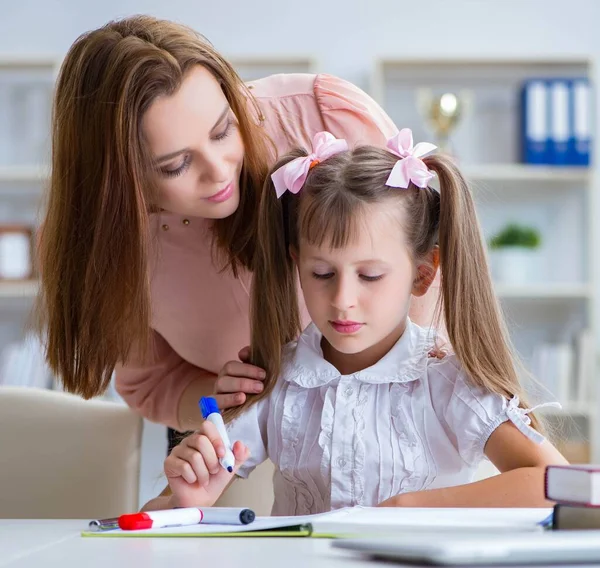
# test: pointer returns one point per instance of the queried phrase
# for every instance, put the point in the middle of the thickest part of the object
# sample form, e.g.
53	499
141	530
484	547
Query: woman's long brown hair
94	241
328	210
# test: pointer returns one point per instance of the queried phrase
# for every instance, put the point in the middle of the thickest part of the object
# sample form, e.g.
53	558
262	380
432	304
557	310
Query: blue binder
534	122
560	121
581	115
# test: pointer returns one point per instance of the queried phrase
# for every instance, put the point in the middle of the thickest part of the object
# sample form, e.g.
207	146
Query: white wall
345	35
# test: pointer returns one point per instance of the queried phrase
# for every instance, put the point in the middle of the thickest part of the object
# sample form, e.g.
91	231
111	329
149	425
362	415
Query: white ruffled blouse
409	422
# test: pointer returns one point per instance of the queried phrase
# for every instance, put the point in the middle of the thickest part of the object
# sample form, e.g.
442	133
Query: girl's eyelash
180	170
362	276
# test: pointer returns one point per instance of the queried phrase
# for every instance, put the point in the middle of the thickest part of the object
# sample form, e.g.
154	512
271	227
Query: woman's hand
230	387
195	476
237	379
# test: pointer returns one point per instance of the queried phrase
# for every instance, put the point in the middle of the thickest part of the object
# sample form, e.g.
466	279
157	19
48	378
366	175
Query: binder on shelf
580	141
560	122
552	365
535	122
585	349
556	117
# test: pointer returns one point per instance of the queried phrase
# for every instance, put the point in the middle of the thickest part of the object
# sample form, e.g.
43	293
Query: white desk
58	544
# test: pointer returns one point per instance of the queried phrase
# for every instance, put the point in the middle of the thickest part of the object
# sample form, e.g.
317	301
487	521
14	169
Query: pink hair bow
292	176
409	167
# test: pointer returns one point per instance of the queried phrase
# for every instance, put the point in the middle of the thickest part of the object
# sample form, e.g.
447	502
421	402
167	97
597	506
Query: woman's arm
165	388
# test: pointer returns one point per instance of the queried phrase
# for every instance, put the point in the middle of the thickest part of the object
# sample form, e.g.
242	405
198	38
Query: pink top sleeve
348	112
154	386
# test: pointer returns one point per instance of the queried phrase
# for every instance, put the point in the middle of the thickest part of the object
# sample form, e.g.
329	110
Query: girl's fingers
177	467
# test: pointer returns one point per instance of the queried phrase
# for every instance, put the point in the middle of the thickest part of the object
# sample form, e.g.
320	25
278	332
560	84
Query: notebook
573	484
572	517
359	521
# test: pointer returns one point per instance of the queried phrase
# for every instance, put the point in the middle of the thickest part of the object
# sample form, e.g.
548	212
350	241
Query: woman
159	154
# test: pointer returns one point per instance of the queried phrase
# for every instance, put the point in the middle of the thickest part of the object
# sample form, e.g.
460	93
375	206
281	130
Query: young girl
355	412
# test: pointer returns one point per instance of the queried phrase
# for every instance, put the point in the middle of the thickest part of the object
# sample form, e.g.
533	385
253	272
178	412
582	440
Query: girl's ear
426	272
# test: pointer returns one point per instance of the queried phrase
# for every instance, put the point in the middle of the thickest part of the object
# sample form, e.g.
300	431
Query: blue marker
210	412
548	522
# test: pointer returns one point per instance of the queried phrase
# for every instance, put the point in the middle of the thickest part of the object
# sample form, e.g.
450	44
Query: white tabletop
58	544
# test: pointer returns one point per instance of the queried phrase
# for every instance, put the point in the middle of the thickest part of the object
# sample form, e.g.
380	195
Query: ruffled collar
404	362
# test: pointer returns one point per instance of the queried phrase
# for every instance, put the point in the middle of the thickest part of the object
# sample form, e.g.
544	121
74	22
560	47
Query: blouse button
349	391
186	221
165	227
341	462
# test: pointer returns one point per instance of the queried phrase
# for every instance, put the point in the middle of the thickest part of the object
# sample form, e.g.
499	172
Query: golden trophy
443	112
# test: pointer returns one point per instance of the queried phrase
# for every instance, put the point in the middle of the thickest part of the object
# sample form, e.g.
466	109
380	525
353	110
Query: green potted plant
514	253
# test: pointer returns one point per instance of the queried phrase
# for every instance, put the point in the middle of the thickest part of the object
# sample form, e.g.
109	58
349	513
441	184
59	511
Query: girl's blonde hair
94	244
327	211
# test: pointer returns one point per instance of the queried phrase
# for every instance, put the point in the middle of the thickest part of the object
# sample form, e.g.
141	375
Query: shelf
544	291
260	61
28	62
526	172
18	289
570	409
23	173
482	71
491	61
253	68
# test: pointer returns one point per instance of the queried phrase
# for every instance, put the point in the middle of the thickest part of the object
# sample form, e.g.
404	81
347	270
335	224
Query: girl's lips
346	327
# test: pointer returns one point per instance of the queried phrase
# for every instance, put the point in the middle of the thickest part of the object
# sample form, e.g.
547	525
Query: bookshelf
26	86
558	301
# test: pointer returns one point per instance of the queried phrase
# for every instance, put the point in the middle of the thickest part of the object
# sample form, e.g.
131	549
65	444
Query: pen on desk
548	522
210	412
227	516
104	524
186	516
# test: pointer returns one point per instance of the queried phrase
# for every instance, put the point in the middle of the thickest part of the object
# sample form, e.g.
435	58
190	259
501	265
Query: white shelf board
266	60
570	409
18	289
485	61
526	172
8	61
23	173
544	291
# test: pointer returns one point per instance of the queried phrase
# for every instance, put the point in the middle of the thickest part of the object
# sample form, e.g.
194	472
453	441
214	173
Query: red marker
161	519
184	517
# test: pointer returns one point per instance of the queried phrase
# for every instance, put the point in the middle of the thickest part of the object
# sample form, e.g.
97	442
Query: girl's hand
195	476
236	379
